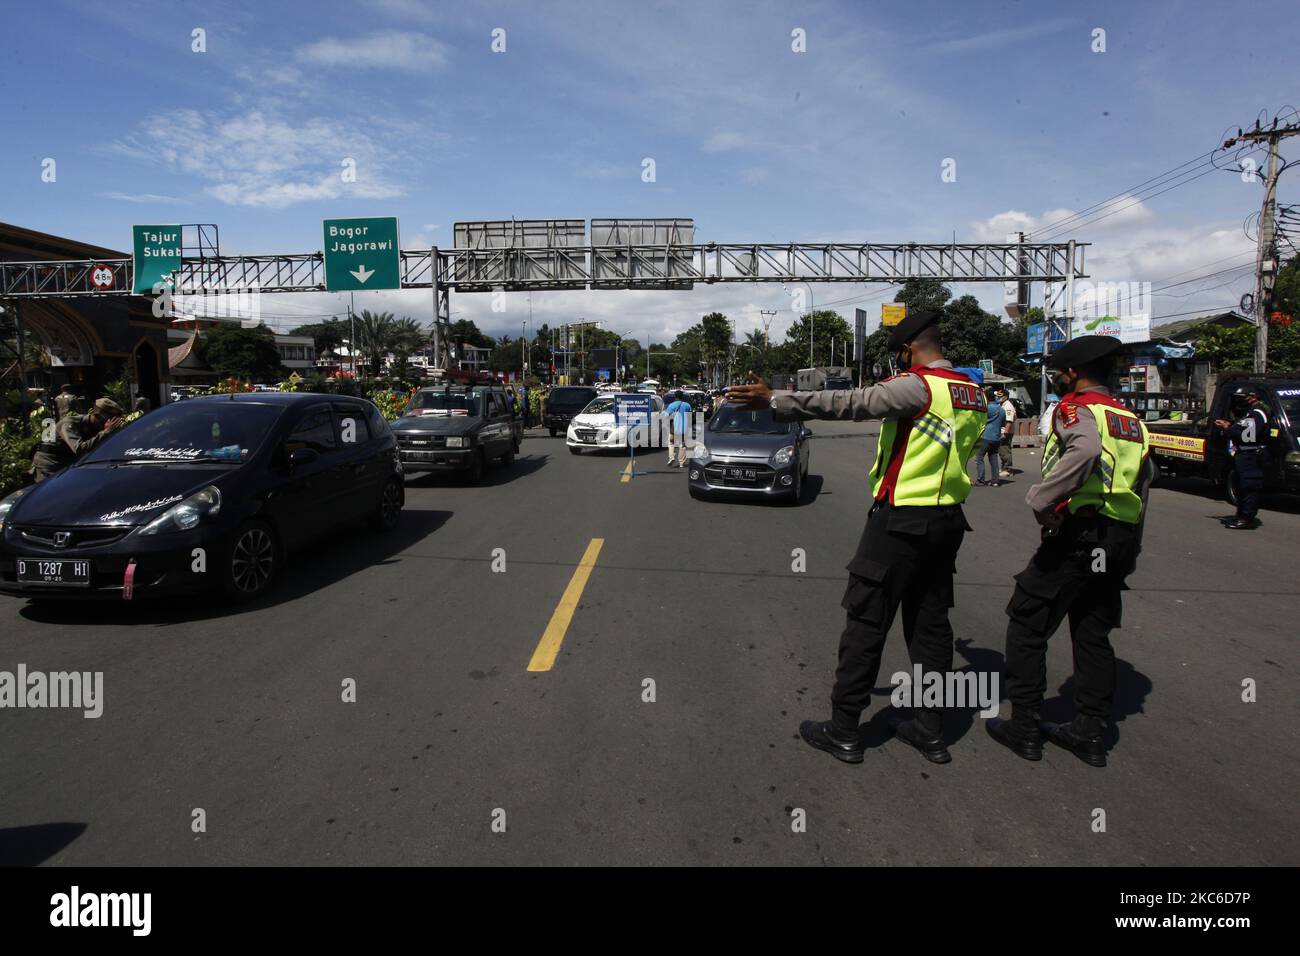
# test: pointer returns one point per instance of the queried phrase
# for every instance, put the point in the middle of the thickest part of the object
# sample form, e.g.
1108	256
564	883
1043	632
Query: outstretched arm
900	397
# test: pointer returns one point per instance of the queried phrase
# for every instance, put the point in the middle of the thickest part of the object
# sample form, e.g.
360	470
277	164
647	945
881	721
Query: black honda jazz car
210	493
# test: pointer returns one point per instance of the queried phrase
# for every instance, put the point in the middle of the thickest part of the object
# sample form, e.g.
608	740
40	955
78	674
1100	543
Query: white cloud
722	141
1125	211
261	160
139	197
999	38
388	50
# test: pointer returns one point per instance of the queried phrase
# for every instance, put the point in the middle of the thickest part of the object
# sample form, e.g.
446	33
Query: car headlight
8	502
187	514
701	454
456	441
782	456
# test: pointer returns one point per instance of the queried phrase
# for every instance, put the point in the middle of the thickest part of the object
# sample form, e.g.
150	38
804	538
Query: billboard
614	267
892	313
605	358
859	333
1129	329
495	253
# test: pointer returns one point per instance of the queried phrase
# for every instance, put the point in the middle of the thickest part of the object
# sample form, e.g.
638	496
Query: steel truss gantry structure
578	267
575	268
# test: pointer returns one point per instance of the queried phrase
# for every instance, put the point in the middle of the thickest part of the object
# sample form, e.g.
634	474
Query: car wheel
552	432
575	450
251	561
474	474
390	506
1230	489
508	458
696	493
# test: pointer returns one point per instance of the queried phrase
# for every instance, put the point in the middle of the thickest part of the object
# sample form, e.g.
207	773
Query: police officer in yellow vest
931	418
1091	504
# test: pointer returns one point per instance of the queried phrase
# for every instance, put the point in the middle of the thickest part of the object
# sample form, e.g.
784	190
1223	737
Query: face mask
1062	383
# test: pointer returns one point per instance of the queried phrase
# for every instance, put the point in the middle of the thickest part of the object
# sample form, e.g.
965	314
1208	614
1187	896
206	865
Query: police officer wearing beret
931	418
1091	504
74	436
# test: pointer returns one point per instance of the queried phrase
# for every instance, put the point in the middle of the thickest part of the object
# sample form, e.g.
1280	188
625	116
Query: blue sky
754	141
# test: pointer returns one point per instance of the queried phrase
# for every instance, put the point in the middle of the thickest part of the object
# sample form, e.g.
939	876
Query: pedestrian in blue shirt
987	446
679	419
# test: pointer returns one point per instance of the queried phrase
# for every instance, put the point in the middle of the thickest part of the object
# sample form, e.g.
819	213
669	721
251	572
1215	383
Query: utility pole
352	322
1265	251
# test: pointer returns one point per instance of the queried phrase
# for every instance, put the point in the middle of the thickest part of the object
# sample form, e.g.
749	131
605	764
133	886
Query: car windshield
733	419
444	404
202	430
571	396
1288	400
601	406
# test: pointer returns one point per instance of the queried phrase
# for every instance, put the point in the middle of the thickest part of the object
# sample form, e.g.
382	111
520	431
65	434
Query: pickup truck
1199	448
458	428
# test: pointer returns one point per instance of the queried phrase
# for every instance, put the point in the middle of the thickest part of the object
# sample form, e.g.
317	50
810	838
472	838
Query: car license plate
742	474
420	455
64	571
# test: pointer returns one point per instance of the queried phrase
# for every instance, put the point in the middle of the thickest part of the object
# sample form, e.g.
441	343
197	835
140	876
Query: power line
1120	195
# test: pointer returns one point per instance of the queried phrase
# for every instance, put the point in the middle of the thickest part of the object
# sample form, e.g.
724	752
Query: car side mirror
302	456
805	433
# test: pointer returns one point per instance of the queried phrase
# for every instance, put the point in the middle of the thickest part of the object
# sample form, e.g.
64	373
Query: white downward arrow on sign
363	273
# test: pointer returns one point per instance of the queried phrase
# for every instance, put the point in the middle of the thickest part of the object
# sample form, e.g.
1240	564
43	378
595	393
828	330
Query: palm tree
406	336
374	337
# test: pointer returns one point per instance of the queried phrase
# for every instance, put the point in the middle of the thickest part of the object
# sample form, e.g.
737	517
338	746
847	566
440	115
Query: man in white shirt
1008	430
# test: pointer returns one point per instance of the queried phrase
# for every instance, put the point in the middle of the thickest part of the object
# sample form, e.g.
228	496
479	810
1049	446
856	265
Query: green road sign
157	254
361	254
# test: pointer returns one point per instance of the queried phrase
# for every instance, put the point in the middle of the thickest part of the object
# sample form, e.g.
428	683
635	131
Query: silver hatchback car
749	452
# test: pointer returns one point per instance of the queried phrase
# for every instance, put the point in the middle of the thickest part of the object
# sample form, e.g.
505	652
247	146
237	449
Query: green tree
250	354
406	337
327	335
1286	291
1233	349
918	294
824	326
374	338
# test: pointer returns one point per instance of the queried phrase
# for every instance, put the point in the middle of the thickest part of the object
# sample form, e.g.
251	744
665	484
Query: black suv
458	428
564	402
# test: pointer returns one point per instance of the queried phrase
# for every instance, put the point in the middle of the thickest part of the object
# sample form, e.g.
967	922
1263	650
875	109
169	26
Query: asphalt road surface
239	713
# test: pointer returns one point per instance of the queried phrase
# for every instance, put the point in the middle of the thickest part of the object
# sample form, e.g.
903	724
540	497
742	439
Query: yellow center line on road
548	648
627	473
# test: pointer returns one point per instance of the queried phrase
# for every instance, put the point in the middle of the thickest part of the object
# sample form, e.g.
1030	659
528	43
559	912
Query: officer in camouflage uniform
931	418
74	435
1091	504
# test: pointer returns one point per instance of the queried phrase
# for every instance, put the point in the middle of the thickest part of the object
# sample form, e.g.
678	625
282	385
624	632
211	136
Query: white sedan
594	426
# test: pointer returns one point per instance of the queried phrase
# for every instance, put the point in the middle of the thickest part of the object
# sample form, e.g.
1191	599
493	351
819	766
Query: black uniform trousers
906	557
1249	465
1077	572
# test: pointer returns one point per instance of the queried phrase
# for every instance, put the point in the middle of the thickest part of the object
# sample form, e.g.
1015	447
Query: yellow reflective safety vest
922	460
1112	487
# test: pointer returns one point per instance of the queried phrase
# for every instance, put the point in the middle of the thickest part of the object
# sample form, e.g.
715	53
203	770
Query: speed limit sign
101	276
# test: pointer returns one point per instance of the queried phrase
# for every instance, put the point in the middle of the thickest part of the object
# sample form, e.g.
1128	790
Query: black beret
912	326
1084	350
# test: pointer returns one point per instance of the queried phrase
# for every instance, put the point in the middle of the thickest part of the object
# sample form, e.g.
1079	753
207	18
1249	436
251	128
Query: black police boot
1020	734
1242	524
823	735
1081	736
923	733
